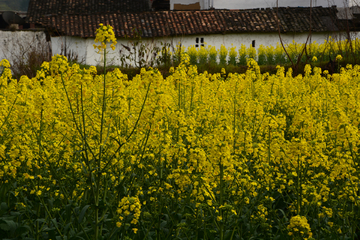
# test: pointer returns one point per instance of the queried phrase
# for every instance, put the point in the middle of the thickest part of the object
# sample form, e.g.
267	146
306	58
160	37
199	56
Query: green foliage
232	55
193	54
223	52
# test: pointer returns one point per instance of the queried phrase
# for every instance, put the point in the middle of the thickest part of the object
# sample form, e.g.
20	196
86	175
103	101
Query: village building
70	26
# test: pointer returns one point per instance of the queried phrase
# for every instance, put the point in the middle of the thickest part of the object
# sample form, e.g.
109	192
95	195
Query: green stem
133	130
234	124
269	155
73	115
179	94
103	110
298	187
84	128
221	197
98	175
48	212
37	224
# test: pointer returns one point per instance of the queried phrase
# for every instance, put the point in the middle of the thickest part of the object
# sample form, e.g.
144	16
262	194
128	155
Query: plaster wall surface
266	39
94	57
244	4
204	4
126	55
14	44
72	47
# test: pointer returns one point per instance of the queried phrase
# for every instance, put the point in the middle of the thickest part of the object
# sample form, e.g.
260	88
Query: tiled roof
42	8
170	23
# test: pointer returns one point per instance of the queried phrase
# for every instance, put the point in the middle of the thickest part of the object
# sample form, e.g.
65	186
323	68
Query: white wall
204	4
266	39
244	4
86	52
72	47
15	44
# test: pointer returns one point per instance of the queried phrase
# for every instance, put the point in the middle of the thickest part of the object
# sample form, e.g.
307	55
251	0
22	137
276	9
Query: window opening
253	43
201	43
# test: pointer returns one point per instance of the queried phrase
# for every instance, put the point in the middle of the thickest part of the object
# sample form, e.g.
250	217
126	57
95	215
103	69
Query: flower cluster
129	206
223	52
104	35
299	228
271	55
58	64
193	54
338	58
6	73
5	63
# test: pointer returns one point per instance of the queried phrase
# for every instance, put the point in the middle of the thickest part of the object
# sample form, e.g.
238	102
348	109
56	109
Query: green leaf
21	230
82	213
14	214
163	224
3	191
8	225
12	225
51	203
40	220
4	226
51	232
3	206
66	228
76	238
54	222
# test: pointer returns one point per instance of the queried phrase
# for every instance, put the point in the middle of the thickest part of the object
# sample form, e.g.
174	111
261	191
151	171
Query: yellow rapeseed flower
104	35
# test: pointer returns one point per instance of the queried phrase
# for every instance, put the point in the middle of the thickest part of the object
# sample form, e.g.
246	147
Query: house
18	38
72	25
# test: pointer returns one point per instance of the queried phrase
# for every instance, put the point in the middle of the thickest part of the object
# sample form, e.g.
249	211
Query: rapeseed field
190	156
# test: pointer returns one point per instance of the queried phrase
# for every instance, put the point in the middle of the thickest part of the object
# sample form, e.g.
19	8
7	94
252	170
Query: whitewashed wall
72	47
245	4
88	55
15	44
266	39
204	4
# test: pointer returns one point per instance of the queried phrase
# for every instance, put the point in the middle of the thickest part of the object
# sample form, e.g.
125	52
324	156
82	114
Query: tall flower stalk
104	35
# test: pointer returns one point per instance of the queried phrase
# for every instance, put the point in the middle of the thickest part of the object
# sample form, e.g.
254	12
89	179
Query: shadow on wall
25	50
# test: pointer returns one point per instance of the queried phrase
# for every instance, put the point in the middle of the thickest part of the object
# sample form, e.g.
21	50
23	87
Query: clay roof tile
167	23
